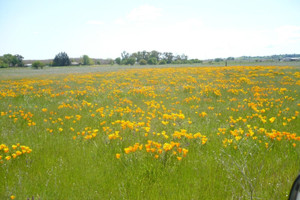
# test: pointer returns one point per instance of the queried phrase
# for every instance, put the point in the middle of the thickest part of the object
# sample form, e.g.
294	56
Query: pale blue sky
39	29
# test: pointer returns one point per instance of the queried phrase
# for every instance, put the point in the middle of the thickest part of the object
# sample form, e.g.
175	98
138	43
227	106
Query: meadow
149	133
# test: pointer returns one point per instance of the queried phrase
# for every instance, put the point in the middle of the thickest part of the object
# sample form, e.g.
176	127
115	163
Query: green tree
118	60
155	54
111	61
19	60
61	59
125	55
162	62
131	61
87	60
168	56
9	60
152	61
143	62
2	63
12	60
218	59
37	64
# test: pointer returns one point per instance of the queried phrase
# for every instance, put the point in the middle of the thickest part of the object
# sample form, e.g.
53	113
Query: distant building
75	63
28	65
295	59
291	59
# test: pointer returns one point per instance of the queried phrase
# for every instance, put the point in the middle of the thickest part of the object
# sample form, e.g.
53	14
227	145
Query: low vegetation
151	133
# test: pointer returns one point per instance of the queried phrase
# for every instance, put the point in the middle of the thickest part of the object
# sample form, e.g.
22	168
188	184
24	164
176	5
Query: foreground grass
151	133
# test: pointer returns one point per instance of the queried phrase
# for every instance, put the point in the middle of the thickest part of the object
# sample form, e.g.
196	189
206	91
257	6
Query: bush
86	60
61	59
152	61
111	61
130	61
218	59
3	64
37	65
162	62
118	60
176	62
143	62
9	60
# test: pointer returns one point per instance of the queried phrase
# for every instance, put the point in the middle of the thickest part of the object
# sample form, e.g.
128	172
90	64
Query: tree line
153	58
9	60
141	57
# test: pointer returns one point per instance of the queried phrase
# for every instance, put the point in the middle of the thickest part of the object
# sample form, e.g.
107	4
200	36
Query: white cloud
95	22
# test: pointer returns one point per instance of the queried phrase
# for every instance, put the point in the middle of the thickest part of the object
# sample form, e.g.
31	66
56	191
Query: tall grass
239	126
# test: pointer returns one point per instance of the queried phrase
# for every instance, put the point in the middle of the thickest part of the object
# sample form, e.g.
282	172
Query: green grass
60	167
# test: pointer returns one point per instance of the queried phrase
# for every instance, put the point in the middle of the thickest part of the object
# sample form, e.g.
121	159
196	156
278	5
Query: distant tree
9	60
124	61
2	63
230	58
131	61
19	60
98	62
168	56
196	61
177	58
12	60
218	59
142	62
125	55
162	62
145	55
111	61
61	59
38	64
118	60
87	60
136	56
184	57
139	56
152	61
154	57
154	54
176	62
92	62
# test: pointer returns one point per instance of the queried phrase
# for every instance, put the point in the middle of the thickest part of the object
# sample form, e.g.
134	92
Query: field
149	133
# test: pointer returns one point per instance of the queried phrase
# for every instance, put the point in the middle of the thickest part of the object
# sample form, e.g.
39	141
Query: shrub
152	61
111	61
61	59
162	62
130	61
86	60
143	62
3	64
37	65
118	60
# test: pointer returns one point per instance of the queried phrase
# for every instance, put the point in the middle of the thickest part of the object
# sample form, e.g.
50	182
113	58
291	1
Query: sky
203	29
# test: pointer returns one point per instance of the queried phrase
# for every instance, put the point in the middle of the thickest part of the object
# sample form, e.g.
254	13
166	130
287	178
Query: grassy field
149	133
